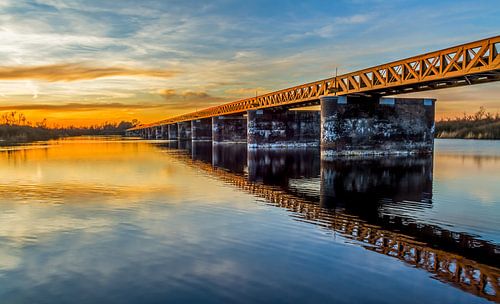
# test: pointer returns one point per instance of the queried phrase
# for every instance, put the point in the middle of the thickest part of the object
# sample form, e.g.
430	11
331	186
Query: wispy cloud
74	72
246	92
189	99
127	52
78	106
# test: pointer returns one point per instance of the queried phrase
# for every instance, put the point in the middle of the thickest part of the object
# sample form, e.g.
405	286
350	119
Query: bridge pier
149	133
201	129
172	132
373	126
184	130
229	128
164	131
268	128
157	134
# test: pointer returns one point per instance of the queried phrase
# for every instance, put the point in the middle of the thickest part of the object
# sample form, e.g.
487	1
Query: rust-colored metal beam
466	64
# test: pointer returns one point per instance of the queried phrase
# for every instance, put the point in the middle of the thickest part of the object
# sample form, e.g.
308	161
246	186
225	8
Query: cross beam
466	64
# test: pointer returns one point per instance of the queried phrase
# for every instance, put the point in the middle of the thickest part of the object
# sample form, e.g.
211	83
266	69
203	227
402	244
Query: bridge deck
466	64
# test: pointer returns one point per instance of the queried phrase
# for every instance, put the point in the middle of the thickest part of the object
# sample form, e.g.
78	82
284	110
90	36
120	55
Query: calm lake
117	220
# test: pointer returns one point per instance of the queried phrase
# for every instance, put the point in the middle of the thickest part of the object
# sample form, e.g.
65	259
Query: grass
480	125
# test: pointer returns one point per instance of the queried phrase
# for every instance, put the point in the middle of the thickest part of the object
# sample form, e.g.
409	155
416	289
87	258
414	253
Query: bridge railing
465	64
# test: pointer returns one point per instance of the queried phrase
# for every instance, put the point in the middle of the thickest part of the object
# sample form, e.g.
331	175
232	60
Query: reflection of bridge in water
350	201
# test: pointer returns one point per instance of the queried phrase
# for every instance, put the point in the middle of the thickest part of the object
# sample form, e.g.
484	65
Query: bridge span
357	115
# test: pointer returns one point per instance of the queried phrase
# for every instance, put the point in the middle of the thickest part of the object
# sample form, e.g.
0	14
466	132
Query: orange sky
151	60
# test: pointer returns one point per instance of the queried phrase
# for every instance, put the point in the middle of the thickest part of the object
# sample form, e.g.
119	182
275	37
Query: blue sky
84	61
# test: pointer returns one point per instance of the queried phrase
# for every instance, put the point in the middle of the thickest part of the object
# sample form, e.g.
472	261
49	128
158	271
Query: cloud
75	72
189	99
78	106
336	26
246	92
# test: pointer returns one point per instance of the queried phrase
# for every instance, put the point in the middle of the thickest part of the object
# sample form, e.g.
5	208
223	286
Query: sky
83	62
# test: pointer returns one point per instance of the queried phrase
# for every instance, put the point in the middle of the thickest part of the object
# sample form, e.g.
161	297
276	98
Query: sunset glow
88	62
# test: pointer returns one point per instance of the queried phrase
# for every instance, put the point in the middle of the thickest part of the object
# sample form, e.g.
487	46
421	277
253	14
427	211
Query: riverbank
14	134
11	134
469	129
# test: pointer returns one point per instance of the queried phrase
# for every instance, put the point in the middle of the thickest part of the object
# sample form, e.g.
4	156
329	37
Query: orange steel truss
466	64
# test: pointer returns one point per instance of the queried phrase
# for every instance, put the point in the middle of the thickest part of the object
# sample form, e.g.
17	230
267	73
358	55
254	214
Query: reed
480	125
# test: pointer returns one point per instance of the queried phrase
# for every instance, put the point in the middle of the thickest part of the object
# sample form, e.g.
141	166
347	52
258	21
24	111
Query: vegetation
480	125
14	127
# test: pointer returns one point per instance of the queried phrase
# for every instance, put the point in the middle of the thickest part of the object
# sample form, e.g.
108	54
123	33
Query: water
111	220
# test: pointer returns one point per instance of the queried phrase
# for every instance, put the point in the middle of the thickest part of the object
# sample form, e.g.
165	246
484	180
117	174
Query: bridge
454	258
358	114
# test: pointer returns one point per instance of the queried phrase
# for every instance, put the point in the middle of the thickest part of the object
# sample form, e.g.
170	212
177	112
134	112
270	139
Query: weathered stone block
283	129
173	132
201	129
230	129
372	126
184	130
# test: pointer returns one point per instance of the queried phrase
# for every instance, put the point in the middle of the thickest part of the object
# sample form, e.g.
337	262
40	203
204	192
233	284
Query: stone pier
270	128
164	131
229	129
373	126
184	130
201	129
172	132
157	134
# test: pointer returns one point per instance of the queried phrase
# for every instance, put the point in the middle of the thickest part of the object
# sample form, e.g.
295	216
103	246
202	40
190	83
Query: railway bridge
359	114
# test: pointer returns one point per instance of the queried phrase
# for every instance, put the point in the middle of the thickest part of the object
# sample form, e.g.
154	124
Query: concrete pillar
164	131
149	133
157	132
172	131
283	129
201	129
372	126
184	130
230	129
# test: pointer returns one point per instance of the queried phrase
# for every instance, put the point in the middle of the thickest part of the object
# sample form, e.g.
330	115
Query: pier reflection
351	197
232	157
275	167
